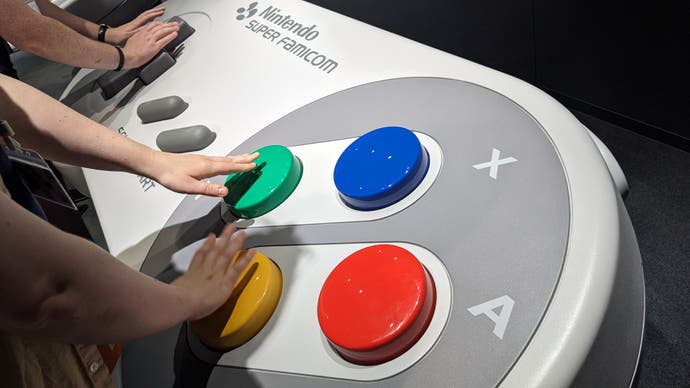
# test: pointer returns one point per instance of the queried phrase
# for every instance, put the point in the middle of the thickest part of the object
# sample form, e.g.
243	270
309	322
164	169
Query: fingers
167	39
147	42
245	158
213	274
212	189
157	27
226	165
236	268
222	191
235	243
236	159
200	255
147	16
154	29
149	27
228	231
229	243
205	188
244	162
219	166
163	31
188	178
185	184
152	13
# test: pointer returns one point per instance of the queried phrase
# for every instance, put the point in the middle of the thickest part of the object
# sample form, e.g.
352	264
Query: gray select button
161	109
185	139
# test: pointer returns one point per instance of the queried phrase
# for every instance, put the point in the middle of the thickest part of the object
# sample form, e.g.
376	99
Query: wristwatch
102	28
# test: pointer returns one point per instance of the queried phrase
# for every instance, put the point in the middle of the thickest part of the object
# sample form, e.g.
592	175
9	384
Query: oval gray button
161	109
187	139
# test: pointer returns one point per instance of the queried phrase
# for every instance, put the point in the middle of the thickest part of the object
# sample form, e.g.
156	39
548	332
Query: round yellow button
250	306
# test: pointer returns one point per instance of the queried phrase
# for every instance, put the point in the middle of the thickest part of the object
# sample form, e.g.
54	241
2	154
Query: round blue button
380	168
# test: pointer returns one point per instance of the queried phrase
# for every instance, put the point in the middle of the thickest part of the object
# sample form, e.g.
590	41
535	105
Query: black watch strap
121	59
102	28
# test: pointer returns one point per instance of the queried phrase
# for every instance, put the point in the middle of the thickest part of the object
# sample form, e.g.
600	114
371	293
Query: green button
254	193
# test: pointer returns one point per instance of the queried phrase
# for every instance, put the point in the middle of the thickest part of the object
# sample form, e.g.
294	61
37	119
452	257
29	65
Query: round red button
376	304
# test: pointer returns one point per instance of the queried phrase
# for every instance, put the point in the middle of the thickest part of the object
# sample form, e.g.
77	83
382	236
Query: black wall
625	62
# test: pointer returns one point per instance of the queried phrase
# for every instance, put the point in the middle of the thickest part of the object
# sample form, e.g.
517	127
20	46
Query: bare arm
60	287
61	134
114	35
49	38
82	26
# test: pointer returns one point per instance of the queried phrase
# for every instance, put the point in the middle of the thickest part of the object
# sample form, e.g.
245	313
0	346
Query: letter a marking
501	319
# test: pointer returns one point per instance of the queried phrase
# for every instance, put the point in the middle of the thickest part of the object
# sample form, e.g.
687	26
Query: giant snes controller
472	202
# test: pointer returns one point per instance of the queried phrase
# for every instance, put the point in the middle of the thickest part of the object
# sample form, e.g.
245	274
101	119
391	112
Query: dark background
625	62
623	68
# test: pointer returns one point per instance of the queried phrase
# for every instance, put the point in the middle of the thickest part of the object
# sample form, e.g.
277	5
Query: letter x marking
494	163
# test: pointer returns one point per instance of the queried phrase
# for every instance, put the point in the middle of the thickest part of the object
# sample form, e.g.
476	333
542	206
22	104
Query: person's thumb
194	186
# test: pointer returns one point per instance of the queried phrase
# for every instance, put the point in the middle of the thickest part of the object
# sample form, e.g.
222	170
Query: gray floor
658	203
659	207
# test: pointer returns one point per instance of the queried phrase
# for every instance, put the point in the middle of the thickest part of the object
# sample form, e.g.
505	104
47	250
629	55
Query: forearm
49	38
82	26
61	134
68	289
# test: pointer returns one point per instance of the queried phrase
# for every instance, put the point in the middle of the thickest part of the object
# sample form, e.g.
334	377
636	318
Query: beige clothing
39	364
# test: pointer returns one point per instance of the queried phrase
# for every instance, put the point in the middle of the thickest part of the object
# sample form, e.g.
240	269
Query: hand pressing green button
254	193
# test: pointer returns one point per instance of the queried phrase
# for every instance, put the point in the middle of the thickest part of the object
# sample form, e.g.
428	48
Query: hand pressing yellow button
250	306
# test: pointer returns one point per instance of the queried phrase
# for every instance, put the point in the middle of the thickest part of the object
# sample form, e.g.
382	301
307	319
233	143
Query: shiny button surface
376	304
380	168
254	193
253	300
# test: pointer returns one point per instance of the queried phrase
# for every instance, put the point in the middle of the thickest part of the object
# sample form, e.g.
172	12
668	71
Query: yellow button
250	306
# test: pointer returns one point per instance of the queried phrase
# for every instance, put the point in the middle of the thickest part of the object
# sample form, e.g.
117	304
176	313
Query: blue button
380	168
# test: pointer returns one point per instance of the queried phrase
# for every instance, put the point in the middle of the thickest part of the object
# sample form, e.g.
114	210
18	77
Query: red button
376	304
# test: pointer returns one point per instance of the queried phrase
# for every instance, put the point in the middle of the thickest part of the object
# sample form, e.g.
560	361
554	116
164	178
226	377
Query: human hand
182	172
147	42
118	35
212	274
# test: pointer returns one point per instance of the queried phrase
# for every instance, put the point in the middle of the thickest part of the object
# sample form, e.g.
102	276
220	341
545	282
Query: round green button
254	193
